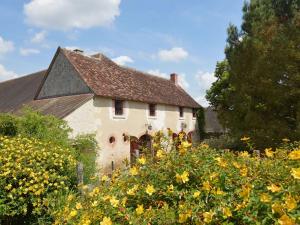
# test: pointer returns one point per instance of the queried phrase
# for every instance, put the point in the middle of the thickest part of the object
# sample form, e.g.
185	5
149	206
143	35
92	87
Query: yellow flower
150	189
73	213
244	154
183	217
265	198
236	165
206	186
245	138
208	217
142	160
285	140
277	208
227	213
244	171
134	171
269	153
170	188
219	192
114	202
104	178
294	155
221	162
160	154
246	189
296	173
70	198
290	203
78	205
132	190
286	220
106	221
274	188
183	178
140	209
196	194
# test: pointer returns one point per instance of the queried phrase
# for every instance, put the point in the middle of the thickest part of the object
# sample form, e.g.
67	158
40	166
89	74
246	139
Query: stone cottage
95	95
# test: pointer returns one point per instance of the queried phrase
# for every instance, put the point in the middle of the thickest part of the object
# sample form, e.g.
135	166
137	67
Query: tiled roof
17	92
108	79
60	106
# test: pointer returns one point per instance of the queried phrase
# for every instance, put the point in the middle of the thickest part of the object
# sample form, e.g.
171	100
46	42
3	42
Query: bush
33	124
86	152
30	170
223	141
196	185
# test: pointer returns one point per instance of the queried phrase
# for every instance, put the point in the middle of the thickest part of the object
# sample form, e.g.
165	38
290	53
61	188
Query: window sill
119	117
181	118
194	118
152	117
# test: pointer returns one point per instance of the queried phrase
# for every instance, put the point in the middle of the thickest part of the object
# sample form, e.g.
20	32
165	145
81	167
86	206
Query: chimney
174	78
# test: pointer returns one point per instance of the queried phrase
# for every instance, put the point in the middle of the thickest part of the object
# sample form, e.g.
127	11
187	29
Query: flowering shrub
193	185
30	170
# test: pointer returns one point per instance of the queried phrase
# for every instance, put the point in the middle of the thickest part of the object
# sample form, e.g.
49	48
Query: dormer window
152	110
181	112
119	107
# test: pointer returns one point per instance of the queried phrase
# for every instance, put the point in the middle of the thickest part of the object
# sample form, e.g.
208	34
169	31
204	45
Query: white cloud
158	73
202	100
205	80
39	37
175	54
182	81
29	51
68	14
123	60
6	74
6	46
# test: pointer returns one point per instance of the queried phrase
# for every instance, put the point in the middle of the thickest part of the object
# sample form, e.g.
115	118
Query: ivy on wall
201	122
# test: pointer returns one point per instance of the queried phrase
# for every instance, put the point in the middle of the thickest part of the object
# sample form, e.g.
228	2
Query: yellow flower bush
30	170
194	185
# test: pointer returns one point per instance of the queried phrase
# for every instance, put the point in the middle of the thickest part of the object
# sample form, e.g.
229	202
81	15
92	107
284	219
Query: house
212	124
95	95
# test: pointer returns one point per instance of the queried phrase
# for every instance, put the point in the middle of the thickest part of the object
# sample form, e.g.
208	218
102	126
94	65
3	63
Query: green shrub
33	124
8	125
30	170
86	149
196	185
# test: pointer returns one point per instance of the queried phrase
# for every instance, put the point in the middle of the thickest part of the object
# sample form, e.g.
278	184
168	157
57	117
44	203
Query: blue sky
157	36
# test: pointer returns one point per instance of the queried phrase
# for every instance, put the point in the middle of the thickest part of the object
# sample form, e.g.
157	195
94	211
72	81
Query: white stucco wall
97	116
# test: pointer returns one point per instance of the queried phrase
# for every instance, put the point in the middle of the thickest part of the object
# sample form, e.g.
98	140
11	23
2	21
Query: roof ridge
26	75
123	67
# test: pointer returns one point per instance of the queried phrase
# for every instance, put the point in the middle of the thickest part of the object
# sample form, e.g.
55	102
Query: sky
158	36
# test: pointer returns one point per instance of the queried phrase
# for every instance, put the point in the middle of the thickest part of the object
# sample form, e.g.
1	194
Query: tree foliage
257	90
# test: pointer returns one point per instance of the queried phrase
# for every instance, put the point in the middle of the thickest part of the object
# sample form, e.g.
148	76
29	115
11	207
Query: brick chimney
174	78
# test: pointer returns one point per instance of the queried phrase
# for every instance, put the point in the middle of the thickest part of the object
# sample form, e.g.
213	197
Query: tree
257	90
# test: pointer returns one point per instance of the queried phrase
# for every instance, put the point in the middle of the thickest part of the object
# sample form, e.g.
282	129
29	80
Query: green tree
257	90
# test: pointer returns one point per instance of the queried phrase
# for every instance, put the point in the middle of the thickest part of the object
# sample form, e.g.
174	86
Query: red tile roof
106	78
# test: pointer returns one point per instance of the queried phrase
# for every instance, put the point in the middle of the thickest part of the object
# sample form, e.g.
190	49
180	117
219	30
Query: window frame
150	105
194	112
181	112
119	109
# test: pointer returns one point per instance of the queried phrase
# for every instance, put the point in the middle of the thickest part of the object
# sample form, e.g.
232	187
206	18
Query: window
119	107
180	112
194	113
152	110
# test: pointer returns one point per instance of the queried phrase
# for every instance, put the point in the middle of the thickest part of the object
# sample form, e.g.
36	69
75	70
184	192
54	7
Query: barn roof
103	76
106	78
